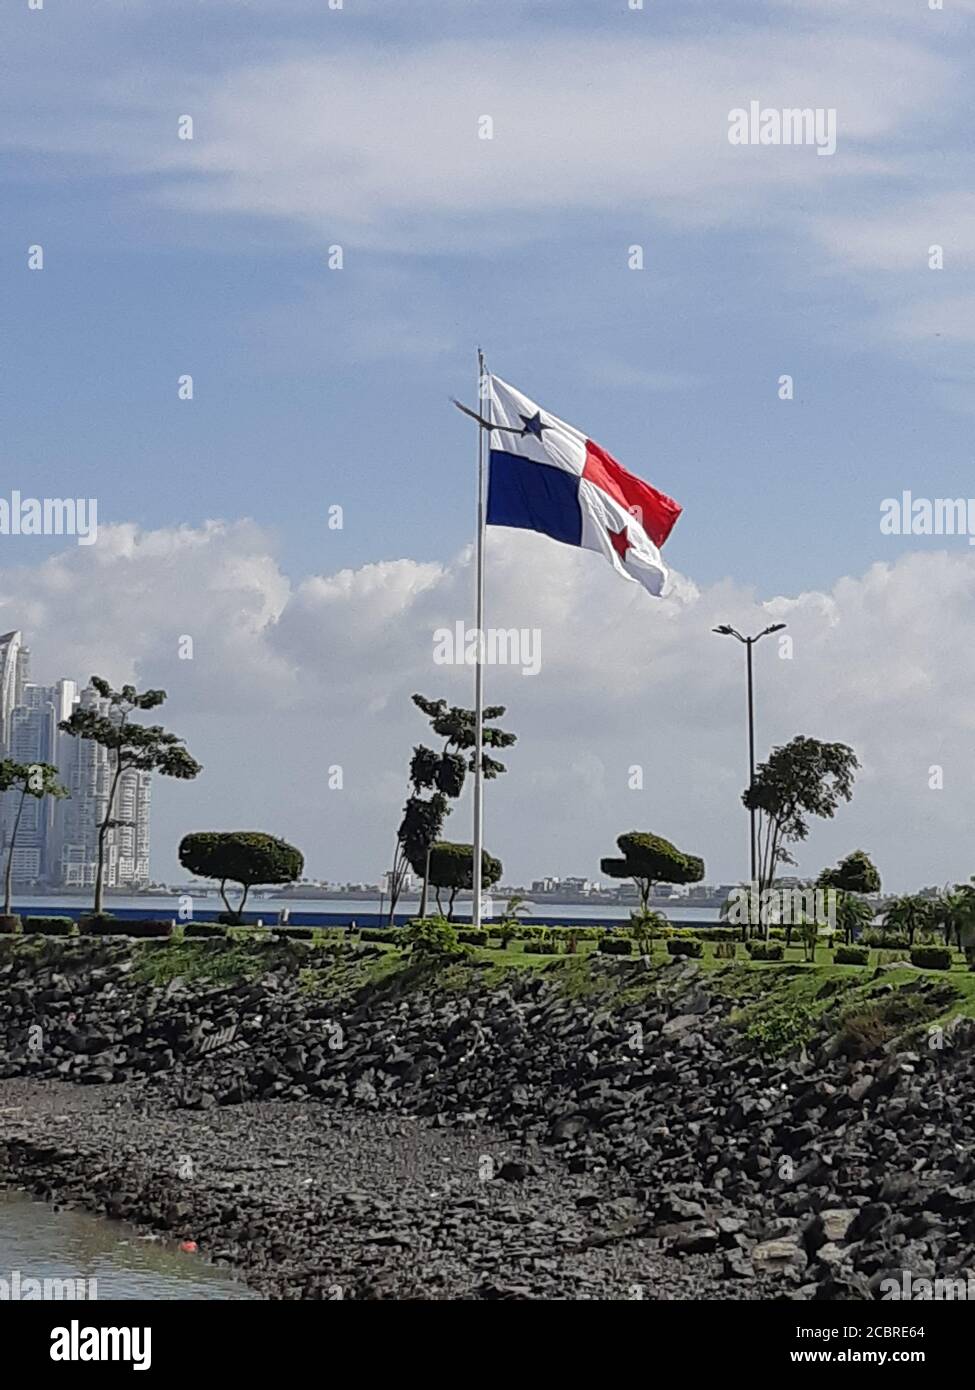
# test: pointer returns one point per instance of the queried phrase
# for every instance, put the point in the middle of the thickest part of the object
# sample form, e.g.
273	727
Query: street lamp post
725	631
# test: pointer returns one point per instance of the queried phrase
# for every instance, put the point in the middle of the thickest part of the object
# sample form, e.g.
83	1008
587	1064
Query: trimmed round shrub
48	926
540	948
615	945
765	950
931	957
850	955
9	924
687	947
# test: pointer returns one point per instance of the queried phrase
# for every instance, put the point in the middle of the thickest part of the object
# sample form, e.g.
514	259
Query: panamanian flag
547	476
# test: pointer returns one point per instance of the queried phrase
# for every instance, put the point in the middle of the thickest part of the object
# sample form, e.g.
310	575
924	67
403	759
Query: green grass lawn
776	1004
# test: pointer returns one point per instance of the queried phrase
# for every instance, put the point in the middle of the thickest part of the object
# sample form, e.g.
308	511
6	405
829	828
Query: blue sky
315	387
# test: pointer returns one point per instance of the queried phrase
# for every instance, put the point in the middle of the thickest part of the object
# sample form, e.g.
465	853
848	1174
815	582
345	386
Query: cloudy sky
315	388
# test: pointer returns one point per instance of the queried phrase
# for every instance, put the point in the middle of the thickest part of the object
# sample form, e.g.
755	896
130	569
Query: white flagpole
478	665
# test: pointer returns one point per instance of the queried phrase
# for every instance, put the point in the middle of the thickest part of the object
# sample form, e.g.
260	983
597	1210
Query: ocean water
38	1242
360	909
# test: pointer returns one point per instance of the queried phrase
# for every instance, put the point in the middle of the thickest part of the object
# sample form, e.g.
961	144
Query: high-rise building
88	777
12	672
35	738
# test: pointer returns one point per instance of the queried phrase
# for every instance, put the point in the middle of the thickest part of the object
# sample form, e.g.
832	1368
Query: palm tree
516	907
643	925
949	910
852	912
954	911
738	898
910	914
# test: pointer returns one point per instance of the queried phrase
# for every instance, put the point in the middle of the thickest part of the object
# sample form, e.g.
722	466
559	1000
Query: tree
244	857
436	779
852	913
953	910
643	926
803	778
30	779
910	914
452	868
517	906
963	920
649	859
141	747
854	874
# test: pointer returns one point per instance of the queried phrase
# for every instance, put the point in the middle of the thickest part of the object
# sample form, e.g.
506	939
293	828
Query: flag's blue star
533	424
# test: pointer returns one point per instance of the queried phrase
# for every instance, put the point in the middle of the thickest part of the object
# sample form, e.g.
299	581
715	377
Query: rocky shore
336	1128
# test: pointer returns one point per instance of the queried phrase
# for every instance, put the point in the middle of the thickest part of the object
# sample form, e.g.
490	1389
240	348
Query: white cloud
379	145
290	680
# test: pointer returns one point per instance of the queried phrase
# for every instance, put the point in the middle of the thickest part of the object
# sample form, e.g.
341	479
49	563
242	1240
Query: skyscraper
88	777
35	738
12	672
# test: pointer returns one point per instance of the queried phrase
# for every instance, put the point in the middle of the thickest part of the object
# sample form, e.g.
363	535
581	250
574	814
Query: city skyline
252	252
56	843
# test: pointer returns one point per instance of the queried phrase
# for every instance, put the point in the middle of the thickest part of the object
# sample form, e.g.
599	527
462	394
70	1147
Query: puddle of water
46	1244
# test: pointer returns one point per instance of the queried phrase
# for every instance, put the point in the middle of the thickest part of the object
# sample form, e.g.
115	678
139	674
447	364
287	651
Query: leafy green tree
803	778
452	869
244	857
437	778
142	747
30	779
910	914
854	874
648	859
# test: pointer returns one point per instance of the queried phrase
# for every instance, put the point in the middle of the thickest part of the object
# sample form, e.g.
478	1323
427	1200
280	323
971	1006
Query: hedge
616	945
725	950
111	926
204	929
540	948
883	940
850	955
675	947
765	950
931	957
48	926
473	938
